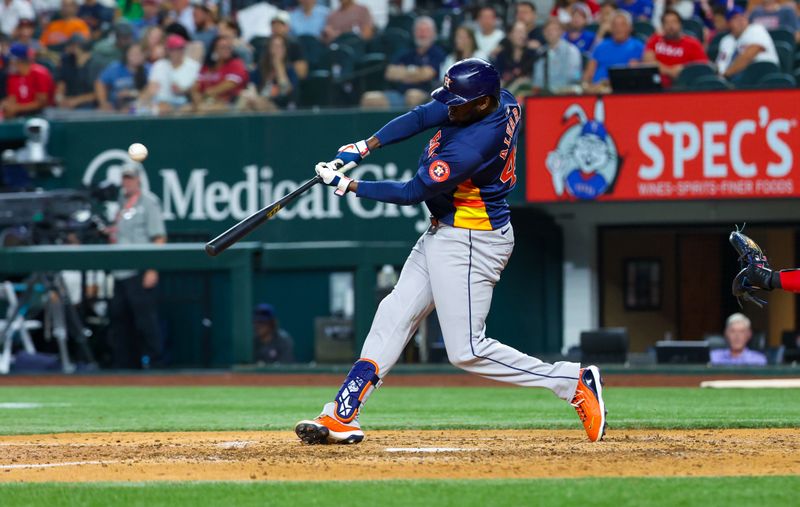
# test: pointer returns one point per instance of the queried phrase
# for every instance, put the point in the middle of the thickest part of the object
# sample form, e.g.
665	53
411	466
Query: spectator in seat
349	17
278	81
24	34
130	10
488	35
171	78
183	13
309	18
604	16
97	16
119	86
280	26
559	69
464	46
672	50
272	344
221	79
640	10
154	42
151	16
746	43
29	86
515	62
113	48
76	75
561	9
620	49
737	333
59	31
229	28
576	33
773	15
12	12
412	74
135	335
205	26
526	13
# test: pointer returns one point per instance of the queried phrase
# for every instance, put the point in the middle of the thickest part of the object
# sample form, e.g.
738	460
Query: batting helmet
468	80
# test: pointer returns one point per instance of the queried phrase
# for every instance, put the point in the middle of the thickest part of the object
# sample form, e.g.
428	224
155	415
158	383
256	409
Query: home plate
427	449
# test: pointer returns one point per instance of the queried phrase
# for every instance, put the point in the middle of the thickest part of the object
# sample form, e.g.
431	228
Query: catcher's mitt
755	274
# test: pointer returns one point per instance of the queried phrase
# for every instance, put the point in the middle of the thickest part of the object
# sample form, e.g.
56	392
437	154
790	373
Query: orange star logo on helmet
439	171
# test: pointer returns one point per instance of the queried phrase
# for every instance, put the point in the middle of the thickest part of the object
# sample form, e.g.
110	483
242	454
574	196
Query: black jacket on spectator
511	69
77	80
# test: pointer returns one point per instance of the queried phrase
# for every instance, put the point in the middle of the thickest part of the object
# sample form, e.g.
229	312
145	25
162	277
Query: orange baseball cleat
326	428
588	402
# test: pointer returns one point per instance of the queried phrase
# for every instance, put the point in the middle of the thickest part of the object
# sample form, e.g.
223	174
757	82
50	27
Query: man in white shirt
11	11
487	35
171	78
747	43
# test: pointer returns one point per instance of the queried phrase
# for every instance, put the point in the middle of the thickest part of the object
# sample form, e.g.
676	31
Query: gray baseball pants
455	270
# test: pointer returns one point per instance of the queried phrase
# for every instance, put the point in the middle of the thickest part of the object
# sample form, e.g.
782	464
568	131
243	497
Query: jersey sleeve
437	175
419	119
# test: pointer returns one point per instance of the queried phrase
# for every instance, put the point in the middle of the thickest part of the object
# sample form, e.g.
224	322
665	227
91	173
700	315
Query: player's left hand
352	154
330	174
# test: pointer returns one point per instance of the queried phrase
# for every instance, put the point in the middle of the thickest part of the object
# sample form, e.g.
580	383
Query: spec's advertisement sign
677	146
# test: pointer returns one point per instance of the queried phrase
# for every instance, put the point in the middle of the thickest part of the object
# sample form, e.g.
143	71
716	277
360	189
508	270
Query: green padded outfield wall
212	171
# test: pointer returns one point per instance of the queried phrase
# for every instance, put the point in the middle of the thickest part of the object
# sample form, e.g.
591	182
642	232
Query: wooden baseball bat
246	226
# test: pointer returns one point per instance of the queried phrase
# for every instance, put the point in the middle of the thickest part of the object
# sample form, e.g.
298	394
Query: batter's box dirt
396	454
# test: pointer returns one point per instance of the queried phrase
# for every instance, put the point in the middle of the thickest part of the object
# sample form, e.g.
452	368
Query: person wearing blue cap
746	43
272	344
29	86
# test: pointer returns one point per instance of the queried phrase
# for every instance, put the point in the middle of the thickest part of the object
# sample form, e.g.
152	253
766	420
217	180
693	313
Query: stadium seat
777	80
447	21
694	27
404	22
353	41
754	72
393	42
713	46
786	55
643	29
370	71
313	48
783	35
691	72
711	83
316	89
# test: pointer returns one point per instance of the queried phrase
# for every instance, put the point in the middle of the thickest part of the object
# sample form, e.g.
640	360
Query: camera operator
135	333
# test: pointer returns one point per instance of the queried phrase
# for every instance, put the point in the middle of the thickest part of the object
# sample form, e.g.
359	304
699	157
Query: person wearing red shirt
671	50
29	86
221	79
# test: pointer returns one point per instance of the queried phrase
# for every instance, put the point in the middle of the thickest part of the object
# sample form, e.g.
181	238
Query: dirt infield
396	454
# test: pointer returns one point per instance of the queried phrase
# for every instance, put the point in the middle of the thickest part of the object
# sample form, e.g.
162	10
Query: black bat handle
222	242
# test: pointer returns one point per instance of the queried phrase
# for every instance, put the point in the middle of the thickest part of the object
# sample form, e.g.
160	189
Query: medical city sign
672	146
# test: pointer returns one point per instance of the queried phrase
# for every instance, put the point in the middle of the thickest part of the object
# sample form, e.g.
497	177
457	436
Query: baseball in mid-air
137	152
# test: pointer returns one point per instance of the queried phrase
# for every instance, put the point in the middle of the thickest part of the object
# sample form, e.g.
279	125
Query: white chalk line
52	465
23	405
429	449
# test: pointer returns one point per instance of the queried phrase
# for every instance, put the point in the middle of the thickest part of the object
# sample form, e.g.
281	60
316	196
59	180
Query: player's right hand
331	176
351	154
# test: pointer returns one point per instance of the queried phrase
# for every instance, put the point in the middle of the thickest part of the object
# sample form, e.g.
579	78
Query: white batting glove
332	177
352	153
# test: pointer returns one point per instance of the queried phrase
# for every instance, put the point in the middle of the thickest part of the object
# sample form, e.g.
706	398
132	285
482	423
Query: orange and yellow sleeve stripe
470	208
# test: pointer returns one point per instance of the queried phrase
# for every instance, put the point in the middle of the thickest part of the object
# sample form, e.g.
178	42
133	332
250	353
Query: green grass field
85	409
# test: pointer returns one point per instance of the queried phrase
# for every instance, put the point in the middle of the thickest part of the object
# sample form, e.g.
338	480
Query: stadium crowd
193	56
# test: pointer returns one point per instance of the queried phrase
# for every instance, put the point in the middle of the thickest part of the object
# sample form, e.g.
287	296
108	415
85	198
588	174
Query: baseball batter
465	173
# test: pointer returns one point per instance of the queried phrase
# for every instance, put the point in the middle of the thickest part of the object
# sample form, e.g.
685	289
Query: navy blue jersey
465	172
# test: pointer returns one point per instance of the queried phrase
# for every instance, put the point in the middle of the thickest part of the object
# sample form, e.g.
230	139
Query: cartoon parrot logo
585	163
